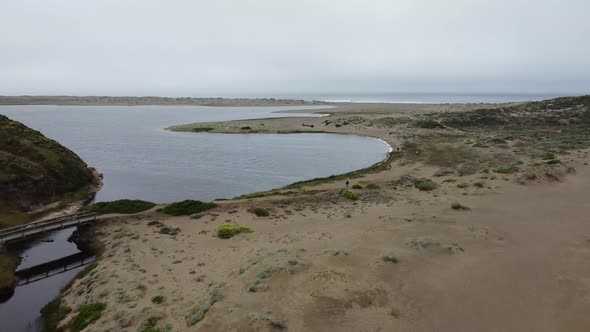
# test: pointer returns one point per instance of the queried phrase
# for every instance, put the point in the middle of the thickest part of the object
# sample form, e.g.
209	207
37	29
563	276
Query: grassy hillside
35	170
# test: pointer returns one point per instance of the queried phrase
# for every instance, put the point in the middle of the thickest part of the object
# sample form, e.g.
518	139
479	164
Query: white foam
372	101
390	148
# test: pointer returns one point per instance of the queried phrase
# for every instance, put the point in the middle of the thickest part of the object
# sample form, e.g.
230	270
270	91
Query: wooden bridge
46	270
31	229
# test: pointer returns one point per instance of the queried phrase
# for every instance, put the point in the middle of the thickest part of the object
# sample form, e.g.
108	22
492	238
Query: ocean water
141	160
425	98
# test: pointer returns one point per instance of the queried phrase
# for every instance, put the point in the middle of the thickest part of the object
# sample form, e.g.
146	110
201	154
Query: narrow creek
21	312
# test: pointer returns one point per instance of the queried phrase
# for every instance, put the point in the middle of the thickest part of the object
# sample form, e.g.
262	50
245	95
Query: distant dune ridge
148	100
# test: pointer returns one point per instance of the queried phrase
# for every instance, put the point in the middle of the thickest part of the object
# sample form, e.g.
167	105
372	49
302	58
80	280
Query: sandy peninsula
478	221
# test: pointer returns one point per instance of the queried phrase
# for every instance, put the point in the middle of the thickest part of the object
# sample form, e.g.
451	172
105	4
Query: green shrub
357	186
123	206
507	169
260	212
8	264
548	156
53	313
158	299
479	184
197	313
227	231
457	206
373	186
154	324
87	315
424	184
173	231
349	194
187	207
391	259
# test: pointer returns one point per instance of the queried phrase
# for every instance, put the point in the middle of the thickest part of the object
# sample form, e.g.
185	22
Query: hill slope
35	170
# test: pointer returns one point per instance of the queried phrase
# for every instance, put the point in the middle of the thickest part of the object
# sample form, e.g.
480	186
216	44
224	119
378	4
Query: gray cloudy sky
245	47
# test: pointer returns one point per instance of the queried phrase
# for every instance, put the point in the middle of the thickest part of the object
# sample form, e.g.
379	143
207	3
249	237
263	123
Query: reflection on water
22	311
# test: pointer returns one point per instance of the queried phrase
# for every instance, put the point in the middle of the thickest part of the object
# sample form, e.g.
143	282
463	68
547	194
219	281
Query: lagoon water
141	160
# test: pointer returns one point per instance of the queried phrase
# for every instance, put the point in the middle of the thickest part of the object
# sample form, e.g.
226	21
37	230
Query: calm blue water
141	160
428	98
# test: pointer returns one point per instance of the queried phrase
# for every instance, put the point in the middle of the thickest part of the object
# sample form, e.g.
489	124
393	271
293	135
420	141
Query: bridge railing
37	227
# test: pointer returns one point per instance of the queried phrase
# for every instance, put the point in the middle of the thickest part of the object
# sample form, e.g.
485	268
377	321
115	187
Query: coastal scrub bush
479	184
391	259
154	324
123	206
187	207
158	299
357	186
173	231
349	194
424	184
548	156
260	212
457	206
197	313
53	313
8	264
87	315
506	169
272	320
373	186
227	231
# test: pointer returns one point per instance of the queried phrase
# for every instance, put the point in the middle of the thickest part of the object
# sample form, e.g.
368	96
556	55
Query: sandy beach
468	230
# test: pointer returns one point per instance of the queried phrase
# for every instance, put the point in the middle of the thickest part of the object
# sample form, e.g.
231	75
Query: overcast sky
258	47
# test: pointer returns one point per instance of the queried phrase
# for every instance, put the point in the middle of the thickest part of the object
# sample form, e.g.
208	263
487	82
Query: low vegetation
350	195
270	319
357	186
35	170
123	206
187	207
457	206
154	324
424	184
158	299
8	264
376	168
506	169
53	313
87	315
227	231
197	313
260	212
391	259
